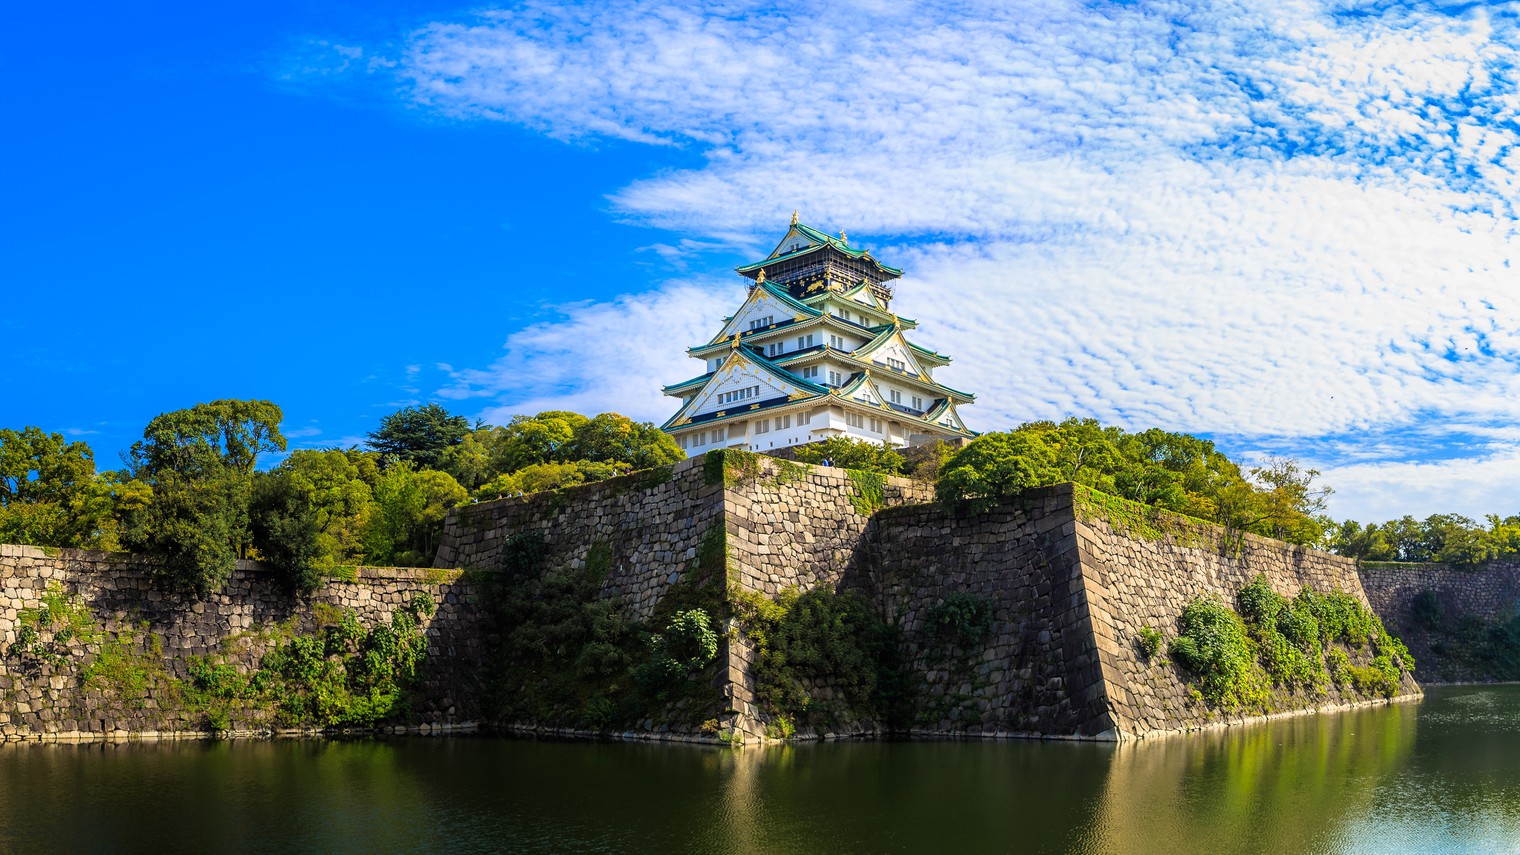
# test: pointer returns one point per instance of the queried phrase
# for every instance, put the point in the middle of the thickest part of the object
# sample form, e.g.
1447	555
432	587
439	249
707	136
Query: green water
1440	776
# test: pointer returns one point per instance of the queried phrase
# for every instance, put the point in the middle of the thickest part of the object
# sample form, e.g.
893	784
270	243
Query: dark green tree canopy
419	435
1177	472
228	432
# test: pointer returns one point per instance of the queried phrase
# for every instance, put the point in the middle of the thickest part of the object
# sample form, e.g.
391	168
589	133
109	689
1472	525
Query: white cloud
600	357
1267	220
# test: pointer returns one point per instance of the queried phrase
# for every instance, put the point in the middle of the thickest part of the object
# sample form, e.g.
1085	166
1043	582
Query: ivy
1236	657
869	493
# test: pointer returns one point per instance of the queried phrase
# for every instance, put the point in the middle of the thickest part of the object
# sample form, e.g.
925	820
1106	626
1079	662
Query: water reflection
1436	777
1282	787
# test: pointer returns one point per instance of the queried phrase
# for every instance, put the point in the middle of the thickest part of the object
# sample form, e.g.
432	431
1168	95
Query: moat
1437	776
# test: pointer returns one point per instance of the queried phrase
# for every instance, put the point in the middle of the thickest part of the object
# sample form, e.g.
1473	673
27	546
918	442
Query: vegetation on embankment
190	495
1269	653
315	671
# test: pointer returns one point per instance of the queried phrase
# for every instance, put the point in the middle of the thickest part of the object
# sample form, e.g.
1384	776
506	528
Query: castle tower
814	352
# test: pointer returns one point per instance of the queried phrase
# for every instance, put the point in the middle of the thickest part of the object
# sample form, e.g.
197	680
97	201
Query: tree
994	467
231	431
548	476
470	462
49	493
307	516
527	440
198	464
419	435
614	438
409	510
849	453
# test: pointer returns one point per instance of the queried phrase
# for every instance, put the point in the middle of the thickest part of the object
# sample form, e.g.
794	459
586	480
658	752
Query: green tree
528	440
471	461
419	435
613	438
308	514
996	466
548	476
49	493
850	453
408	514
198	464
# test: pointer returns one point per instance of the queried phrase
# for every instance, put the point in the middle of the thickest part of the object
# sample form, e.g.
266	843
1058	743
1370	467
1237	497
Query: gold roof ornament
733	343
794	216
842	239
760	277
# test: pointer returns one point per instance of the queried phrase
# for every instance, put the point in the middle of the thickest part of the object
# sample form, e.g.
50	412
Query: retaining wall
154	635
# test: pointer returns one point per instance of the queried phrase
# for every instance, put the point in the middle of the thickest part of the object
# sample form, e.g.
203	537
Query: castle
814	352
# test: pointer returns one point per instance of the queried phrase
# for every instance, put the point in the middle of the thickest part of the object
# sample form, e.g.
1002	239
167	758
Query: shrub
1212	643
1149	640
961	618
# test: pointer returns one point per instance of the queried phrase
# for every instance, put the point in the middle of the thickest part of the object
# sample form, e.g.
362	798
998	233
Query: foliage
1171	471
530	440
821	637
868	491
1425	609
1447	538
924	462
193	527
1211	643
198	464
342	675
1298	644
688	644
849	453
564	655
961	618
613	438
418	435
307	516
1149	640
49	494
407	518
228	432
548	476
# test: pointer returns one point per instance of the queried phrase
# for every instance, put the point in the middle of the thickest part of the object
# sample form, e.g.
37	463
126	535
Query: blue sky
1288	226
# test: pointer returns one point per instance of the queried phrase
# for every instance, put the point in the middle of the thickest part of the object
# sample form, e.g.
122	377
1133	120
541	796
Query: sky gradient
1285	226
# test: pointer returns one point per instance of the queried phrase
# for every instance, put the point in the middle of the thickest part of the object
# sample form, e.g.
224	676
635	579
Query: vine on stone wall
1268	649
566	657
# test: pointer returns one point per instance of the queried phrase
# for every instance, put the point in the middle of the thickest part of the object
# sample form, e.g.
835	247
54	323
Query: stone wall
152	637
1037	672
792	525
653	523
1133	582
1067	593
1470	602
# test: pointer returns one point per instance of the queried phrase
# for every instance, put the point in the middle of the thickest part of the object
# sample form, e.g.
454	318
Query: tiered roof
816	271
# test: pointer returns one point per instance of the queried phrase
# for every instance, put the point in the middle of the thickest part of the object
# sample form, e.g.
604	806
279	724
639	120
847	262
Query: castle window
836	342
804	418
918	403
699	438
854	420
810	372
718	434
876	425
897	364
763	426
835	378
896	396
758	323
777	348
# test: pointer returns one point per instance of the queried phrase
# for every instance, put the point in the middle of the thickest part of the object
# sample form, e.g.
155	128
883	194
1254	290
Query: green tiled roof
823	241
